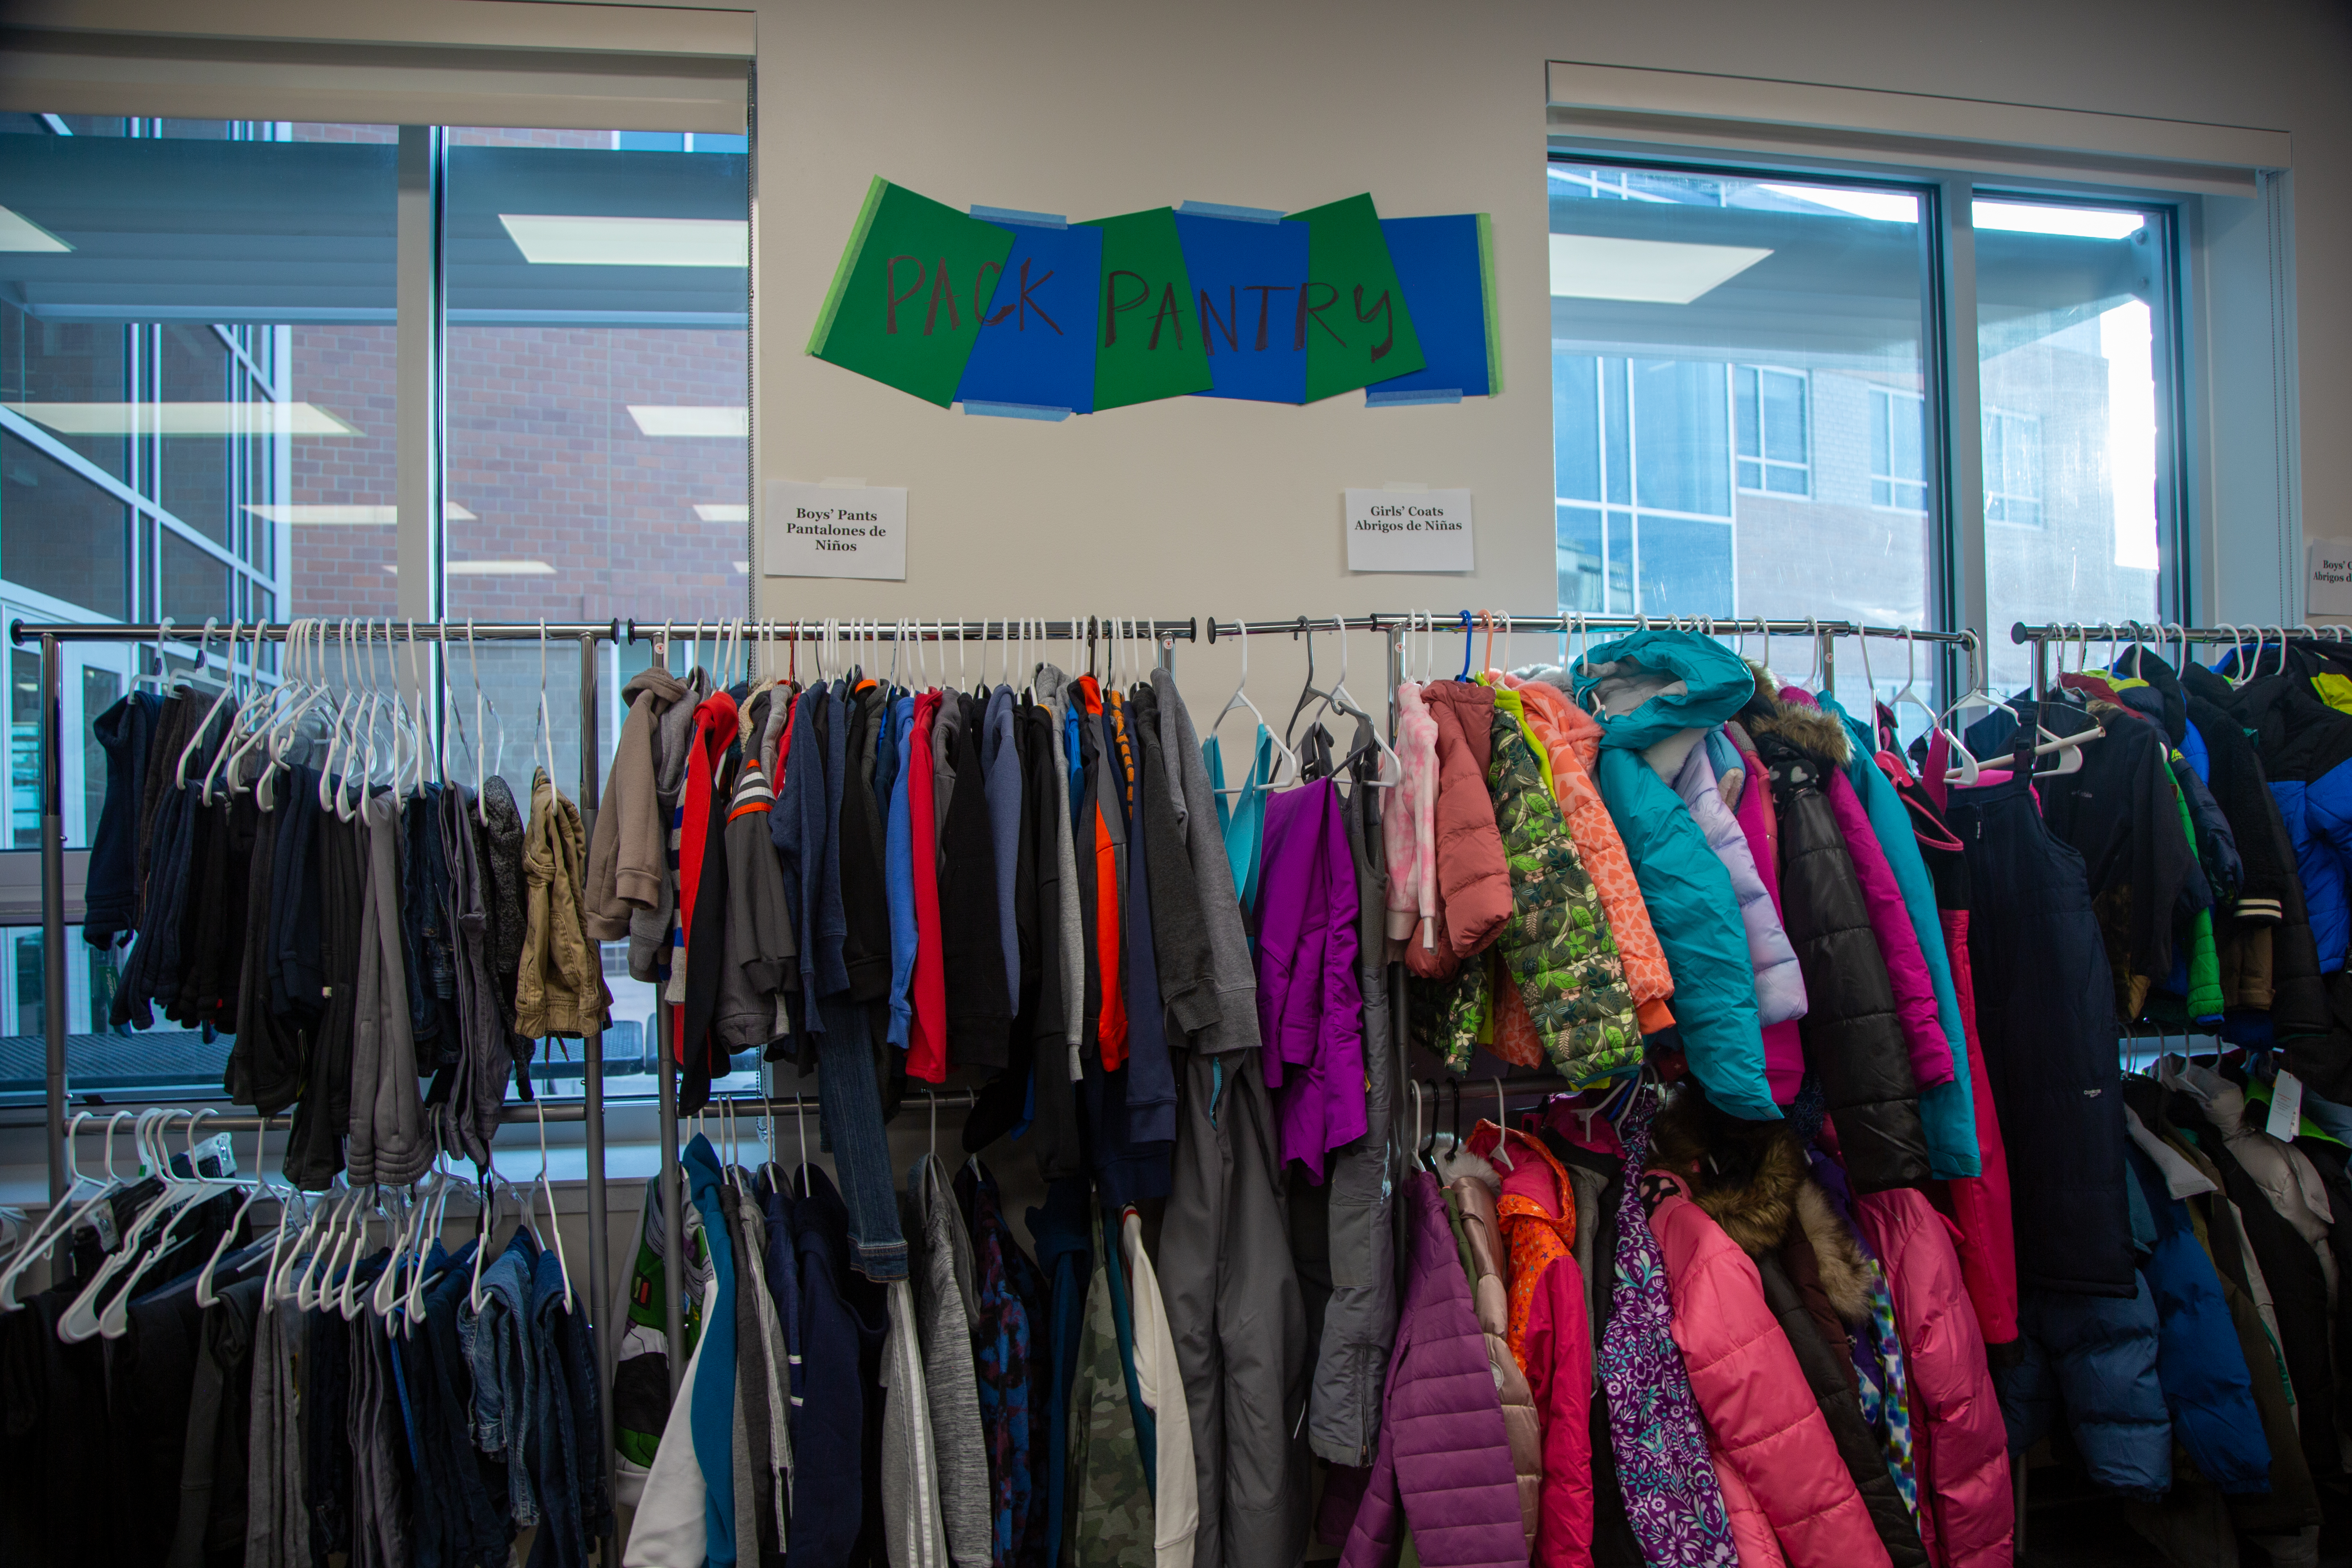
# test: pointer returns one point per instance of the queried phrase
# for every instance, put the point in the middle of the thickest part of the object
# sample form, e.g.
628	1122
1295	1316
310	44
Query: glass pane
147	320
1576	427
596	404
61	535
1763	387
23	750
339	524
101	688
2072	376
1580	561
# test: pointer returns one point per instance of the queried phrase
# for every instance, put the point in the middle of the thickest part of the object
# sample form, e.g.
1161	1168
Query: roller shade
458	62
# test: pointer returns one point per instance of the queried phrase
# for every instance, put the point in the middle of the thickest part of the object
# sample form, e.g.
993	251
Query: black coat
1897	1532
1852	1035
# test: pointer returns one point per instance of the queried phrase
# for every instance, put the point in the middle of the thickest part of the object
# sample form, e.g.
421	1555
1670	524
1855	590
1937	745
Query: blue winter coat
1947	1113
1686	888
2198	1360
2306	751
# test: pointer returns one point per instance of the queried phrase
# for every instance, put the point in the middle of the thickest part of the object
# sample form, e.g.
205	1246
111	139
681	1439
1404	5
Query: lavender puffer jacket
1445	1463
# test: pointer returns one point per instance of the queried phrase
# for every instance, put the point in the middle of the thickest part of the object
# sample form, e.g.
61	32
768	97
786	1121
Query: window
1898	449
199	384
2012	468
1749	390
1769	412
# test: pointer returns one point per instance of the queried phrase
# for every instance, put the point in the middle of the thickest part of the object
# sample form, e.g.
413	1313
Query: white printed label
2286	1107
1409	530
834	531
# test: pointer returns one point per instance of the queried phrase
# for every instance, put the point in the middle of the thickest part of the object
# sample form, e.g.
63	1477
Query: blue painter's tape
1219	209
1018	411
1015	215
1375	398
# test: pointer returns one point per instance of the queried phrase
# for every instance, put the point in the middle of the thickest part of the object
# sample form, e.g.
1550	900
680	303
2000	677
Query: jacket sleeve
1899	942
617	879
1952	1394
1780	984
1697	923
1760	1411
1179	933
1374	1536
1559	1346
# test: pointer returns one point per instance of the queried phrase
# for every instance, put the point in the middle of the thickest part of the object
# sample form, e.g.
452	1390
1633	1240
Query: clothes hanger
547	1186
1283	753
257	1188
1308	692
67	1211
1391	770
114	1319
1502	1124
80	1320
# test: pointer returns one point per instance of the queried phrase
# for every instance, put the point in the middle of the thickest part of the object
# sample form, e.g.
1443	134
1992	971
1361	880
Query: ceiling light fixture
18	232
1648	271
554	239
349	516
654	419
184	418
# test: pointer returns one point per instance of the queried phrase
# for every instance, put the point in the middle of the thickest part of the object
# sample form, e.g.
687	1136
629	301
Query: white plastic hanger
82	1194
1283	755
555	1226
80	1320
258	1187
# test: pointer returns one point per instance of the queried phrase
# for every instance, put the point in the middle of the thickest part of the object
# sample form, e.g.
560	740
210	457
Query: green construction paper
1148	342
1360	333
1494	319
906	300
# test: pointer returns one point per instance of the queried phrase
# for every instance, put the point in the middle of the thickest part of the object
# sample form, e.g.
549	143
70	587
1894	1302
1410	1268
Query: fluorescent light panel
490	569
183	419
2037	217
654	419
722	511
349	516
554	239
1648	271
18	232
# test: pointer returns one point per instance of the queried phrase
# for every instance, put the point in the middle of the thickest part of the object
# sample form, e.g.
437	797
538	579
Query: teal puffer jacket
1689	892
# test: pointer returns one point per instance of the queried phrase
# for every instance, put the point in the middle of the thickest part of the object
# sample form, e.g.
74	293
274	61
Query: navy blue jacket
109	897
1066	1255
828	1416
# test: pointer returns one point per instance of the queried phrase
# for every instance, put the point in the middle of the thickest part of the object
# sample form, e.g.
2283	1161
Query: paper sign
1447	267
906	300
1036	342
1148	342
834	531
1250	279
1409	530
2327	590
2286	1107
1352	318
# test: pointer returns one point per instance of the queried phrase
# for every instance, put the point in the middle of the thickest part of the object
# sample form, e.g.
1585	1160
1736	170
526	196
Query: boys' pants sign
1029	313
834	531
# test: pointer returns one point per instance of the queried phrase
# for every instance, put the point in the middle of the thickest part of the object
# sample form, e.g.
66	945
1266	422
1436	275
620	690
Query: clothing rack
2249	636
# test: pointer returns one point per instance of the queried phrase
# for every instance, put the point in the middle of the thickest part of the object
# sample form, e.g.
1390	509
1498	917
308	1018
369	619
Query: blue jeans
849	1104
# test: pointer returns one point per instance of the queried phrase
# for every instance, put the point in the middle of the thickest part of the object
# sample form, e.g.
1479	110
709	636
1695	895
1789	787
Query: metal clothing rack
2250	636
1100	633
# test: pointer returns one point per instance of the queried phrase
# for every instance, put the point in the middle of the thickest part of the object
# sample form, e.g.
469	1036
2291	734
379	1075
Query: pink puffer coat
1408	829
1956	1431
1791	1497
1890	921
1473	884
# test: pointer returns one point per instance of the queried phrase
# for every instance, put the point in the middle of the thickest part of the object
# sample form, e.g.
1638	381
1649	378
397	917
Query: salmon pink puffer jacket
1790	1494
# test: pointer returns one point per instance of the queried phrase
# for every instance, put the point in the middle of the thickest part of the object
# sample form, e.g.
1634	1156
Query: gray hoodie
946	1304
672	734
1052	694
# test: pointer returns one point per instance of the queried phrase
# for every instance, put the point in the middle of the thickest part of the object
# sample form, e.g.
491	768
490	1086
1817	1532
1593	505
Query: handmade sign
906	302
1024	314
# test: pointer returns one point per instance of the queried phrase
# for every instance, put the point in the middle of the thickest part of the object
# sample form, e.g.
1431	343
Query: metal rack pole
592	1109
672	1211
799	628
53	915
1722	626
390	629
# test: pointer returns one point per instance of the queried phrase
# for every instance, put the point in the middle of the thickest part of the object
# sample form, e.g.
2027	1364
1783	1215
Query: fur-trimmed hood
1754	1180
1795	723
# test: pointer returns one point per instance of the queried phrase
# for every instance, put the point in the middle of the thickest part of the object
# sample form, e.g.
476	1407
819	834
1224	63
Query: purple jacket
1444	1457
1310	1006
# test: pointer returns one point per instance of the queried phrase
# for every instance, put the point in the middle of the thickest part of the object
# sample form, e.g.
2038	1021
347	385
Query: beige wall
1196	506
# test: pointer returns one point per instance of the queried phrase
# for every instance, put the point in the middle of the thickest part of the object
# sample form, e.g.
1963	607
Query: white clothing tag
2286	1107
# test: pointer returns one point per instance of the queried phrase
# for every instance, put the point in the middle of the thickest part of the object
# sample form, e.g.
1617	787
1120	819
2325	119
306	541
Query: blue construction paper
1246	277
1437	265
1035	347
1220	209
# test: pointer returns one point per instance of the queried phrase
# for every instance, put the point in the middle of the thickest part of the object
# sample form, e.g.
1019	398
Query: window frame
1956	594
1763	459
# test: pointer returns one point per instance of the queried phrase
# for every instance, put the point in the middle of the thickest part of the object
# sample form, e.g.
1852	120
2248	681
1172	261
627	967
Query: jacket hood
1673	681
667	688
2143	664
1755	1181
1798	723
1554	707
